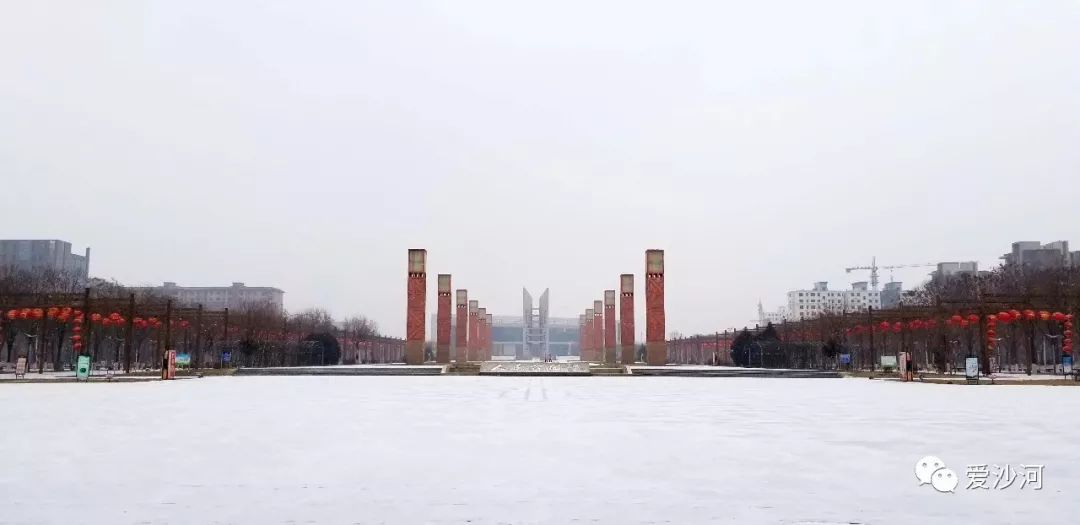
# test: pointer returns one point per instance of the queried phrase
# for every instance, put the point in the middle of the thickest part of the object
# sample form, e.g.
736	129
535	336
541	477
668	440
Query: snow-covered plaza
341	450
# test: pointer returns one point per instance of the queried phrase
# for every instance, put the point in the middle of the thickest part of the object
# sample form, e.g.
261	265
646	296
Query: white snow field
341	450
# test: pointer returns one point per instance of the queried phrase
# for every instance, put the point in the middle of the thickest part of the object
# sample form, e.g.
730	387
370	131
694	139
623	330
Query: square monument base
656	354
414	352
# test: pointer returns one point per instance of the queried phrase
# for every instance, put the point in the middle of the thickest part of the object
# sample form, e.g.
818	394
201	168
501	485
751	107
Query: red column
474	330
609	326
586	354
414	322
461	349
489	344
581	337
598	331
481	315
442	321
626	319
655	344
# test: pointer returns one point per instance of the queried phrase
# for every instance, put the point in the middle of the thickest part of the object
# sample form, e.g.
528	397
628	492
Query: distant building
233	297
1034	255
892	294
807	304
508	336
52	254
775	317
953	269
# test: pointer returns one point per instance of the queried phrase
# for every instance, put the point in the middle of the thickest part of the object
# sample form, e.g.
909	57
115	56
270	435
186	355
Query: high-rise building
51	254
807	304
1034	255
235	297
953	269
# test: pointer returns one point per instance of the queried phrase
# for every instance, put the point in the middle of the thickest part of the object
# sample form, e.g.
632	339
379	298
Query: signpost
905	367
845	359
1066	364
82	368
888	362
971	368
168	365
20	367
226	357
183	359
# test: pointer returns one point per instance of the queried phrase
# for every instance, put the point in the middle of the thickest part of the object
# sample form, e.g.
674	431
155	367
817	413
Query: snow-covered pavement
330	450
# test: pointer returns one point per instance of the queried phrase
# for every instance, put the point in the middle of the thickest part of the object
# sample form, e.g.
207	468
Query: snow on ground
330	450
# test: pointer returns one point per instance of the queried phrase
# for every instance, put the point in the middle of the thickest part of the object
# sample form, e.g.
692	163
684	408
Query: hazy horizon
764	146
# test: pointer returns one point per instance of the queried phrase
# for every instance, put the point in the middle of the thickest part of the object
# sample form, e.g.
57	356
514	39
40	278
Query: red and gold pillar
597	332
581	337
626	319
474	330
442	320
415	308
609	326
655	329
587	351
489	343
461	349
481	330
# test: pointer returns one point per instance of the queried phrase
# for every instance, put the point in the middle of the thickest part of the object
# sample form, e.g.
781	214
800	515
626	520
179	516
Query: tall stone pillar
587	351
609	326
626	319
474	330
489	343
461	349
581	337
655	326
481	347
442	320
415	308
598	331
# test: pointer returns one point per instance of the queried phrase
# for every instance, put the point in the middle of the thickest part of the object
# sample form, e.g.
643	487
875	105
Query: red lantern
52	312
184	323
1004	317
115	316
95	318
1044	315
37	314
12	314
1058	316
1068	334
931	323
973	318
992	318
76	329
957	318
78	320
105	321
1029	315
1069	317
77	345
76	337
964	323
896	327
991	334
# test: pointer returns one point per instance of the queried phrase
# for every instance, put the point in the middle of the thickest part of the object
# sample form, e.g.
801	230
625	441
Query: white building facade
235	297
808	304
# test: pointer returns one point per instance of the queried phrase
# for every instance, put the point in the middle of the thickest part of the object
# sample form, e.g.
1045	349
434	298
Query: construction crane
874	269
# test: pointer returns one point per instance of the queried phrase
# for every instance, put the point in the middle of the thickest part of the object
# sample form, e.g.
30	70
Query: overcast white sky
764	145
